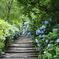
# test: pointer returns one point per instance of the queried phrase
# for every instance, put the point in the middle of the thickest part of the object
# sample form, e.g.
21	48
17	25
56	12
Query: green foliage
9	11
47	38
42	27
48	6
47	46
7	33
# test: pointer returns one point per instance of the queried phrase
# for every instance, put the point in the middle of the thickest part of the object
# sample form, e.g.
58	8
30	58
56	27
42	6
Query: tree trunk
9	9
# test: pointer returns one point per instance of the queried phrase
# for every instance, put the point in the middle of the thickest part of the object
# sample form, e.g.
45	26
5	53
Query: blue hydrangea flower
43	36
49	45
0	55
9	25
12	33
38	32
43	27
42	32
25	33
44	52
39	45
27	29
36	40
4	39
45	22
39	48
40	36
12	37
8	35
57	40
46	41
55	29
25	23
28	34
40	28
33	19
24	27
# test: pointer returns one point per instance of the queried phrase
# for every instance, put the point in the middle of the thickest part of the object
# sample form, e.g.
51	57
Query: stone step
21	58
22	45
18	55
14	48
23	42
20	51
22	48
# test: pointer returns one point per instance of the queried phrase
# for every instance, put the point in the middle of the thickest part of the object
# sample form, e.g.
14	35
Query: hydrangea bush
45	33
26	30
7	33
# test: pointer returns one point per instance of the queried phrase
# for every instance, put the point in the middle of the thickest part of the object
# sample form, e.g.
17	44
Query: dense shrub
7	33
45	33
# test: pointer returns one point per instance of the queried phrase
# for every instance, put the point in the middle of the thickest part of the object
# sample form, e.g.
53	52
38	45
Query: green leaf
57	50
49	55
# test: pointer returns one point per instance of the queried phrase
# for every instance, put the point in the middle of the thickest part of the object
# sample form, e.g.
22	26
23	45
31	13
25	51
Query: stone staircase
22	48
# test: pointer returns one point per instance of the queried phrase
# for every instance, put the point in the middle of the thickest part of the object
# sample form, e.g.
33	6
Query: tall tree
9	5
10	11
41	7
